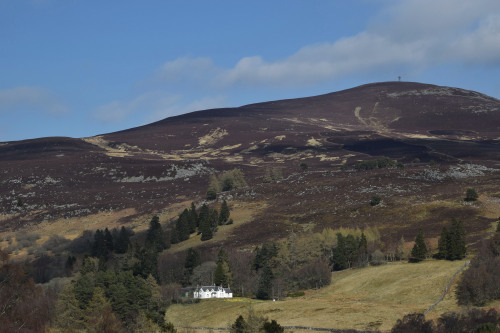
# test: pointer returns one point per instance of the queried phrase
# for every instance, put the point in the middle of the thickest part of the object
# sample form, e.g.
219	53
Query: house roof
213	288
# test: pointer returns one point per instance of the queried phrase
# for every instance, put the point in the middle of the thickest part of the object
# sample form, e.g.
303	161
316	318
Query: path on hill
448	286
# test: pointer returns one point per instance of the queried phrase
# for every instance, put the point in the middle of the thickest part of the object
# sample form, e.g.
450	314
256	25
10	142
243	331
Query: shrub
413	323
297	294
375	200
471	195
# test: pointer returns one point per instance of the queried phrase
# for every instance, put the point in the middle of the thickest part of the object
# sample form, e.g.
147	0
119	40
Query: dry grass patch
369	298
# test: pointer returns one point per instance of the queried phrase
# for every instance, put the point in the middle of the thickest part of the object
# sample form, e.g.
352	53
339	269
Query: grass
368	298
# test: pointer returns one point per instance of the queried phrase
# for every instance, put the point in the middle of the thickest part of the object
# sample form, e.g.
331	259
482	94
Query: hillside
447	138
363	299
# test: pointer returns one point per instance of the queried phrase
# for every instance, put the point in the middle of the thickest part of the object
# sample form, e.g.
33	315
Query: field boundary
318	329
448	287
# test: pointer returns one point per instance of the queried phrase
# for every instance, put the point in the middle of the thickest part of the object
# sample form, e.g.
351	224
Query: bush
471	195
297	294
379	163
375	200
413	323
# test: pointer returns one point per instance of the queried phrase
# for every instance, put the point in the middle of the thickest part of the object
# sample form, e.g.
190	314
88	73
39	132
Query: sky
80	68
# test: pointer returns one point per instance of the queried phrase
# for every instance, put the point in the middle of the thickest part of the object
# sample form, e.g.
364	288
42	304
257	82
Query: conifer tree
419	251
155	238
193	217
265	284
108	241
443	244
339	258
182	226
192	260
69	315
224	213
205	230
123	241
239	326
99	248
99	314
457	248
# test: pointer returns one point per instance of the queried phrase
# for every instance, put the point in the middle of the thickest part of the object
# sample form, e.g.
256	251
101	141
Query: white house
212	292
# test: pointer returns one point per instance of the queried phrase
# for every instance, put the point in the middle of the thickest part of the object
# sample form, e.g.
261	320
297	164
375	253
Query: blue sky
82	67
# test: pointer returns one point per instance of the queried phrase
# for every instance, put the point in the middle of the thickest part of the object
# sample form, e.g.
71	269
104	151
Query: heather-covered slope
448	138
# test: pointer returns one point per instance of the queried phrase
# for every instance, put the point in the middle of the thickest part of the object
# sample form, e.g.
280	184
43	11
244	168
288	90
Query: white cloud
146	103
482	45
205	103
33	99
154	106
413	34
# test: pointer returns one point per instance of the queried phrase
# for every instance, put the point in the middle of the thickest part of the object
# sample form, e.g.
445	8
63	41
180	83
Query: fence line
319	329
447	287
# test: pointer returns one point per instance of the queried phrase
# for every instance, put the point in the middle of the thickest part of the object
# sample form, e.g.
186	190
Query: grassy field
368	298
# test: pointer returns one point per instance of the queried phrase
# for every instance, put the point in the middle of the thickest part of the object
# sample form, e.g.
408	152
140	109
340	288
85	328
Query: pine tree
273	327
108	241
193	217
204	215
155	238
224	213
192	260
182	226
239	326
265	284
339	258
205	230
457	248
471	195
443	244
99	248
69	315
419	251
123	241
99	316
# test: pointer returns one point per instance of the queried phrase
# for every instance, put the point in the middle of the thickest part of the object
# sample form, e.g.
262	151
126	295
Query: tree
419	251
222	274
457	241
69	315
413	323
273	327
224	213
339	258
303	166
471	195
375	200
122	241
99	316
192	260
155	237
443	244
265	284
239	326
182	226
401	250
108	241
99	248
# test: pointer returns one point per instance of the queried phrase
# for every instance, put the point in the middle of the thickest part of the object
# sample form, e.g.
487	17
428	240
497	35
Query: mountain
447	138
